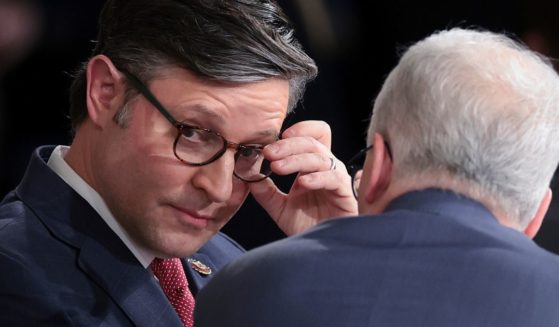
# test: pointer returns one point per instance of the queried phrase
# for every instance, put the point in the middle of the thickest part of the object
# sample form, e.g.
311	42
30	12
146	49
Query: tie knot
167	268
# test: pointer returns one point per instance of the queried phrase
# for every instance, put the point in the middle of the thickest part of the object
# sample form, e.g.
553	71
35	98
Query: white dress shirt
61	168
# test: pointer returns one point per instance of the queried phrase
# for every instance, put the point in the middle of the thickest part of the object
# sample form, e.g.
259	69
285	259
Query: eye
250	152
195	135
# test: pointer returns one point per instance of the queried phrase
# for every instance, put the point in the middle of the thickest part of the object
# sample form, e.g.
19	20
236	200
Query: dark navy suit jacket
433	259
61	265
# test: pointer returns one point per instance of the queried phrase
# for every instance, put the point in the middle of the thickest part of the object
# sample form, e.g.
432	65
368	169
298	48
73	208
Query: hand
322	188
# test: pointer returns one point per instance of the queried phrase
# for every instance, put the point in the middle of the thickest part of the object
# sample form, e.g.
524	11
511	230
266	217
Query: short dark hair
222	40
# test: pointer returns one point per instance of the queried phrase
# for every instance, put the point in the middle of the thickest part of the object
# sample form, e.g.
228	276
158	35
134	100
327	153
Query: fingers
305	149
299	154
307	163
322	188
337	181
318	168
319	130
267	194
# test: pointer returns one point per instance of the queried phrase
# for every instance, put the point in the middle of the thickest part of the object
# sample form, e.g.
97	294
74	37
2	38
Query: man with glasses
177	116
462	146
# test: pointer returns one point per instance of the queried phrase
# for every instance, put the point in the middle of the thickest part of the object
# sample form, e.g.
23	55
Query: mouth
191	218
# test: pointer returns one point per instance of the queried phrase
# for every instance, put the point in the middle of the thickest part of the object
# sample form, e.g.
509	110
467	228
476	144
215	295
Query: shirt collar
61	168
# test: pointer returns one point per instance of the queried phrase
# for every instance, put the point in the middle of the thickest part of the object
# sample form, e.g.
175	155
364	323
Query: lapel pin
200	267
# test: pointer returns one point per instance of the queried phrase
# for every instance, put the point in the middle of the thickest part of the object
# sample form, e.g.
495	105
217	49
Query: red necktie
175	286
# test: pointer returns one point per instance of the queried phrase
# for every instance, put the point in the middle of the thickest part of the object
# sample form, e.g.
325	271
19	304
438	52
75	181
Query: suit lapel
102	255
199	269
213	256
130	285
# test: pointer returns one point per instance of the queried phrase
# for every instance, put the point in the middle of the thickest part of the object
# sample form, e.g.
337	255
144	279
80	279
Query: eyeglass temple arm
146	93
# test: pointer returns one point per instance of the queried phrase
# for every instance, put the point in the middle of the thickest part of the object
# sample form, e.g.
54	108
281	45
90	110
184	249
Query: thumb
269	196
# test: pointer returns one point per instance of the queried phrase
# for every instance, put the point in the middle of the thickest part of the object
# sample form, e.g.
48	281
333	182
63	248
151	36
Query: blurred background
355	44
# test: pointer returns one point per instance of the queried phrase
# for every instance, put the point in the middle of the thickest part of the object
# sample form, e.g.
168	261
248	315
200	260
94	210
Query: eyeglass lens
199	146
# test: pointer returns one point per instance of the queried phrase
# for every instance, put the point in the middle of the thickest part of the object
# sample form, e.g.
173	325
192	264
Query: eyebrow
269	133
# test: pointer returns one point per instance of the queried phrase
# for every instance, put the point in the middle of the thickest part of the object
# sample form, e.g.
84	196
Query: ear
105	88
380	170
536	222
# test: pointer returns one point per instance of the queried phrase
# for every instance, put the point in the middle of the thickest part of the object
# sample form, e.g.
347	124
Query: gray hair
477	109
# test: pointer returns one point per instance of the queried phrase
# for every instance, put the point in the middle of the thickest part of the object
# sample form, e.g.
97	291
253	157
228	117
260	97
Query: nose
216	178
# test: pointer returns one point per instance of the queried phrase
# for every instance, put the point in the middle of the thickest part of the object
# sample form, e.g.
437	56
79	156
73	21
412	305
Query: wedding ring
332	164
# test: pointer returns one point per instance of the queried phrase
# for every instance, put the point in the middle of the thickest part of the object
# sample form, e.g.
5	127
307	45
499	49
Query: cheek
153	159
151	138
165	180
145	171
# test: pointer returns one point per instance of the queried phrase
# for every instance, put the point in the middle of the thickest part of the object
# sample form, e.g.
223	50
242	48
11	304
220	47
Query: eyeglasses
196	146
355	168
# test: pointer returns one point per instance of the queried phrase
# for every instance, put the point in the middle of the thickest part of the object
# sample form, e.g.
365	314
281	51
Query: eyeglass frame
145	92
353	169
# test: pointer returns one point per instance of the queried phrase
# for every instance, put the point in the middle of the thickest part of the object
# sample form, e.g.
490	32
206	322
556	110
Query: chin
186	245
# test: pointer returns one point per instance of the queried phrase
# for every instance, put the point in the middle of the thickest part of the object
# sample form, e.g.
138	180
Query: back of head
475	112
221	40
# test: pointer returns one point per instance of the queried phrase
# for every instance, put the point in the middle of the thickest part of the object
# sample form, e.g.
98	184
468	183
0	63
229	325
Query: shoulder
284	258
10	209
15	219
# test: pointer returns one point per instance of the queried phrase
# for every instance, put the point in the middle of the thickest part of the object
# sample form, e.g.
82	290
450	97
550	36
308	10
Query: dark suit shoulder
221	249
351	271
11	209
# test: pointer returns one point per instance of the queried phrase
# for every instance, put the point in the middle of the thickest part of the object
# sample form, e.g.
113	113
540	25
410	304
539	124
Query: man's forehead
268	126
